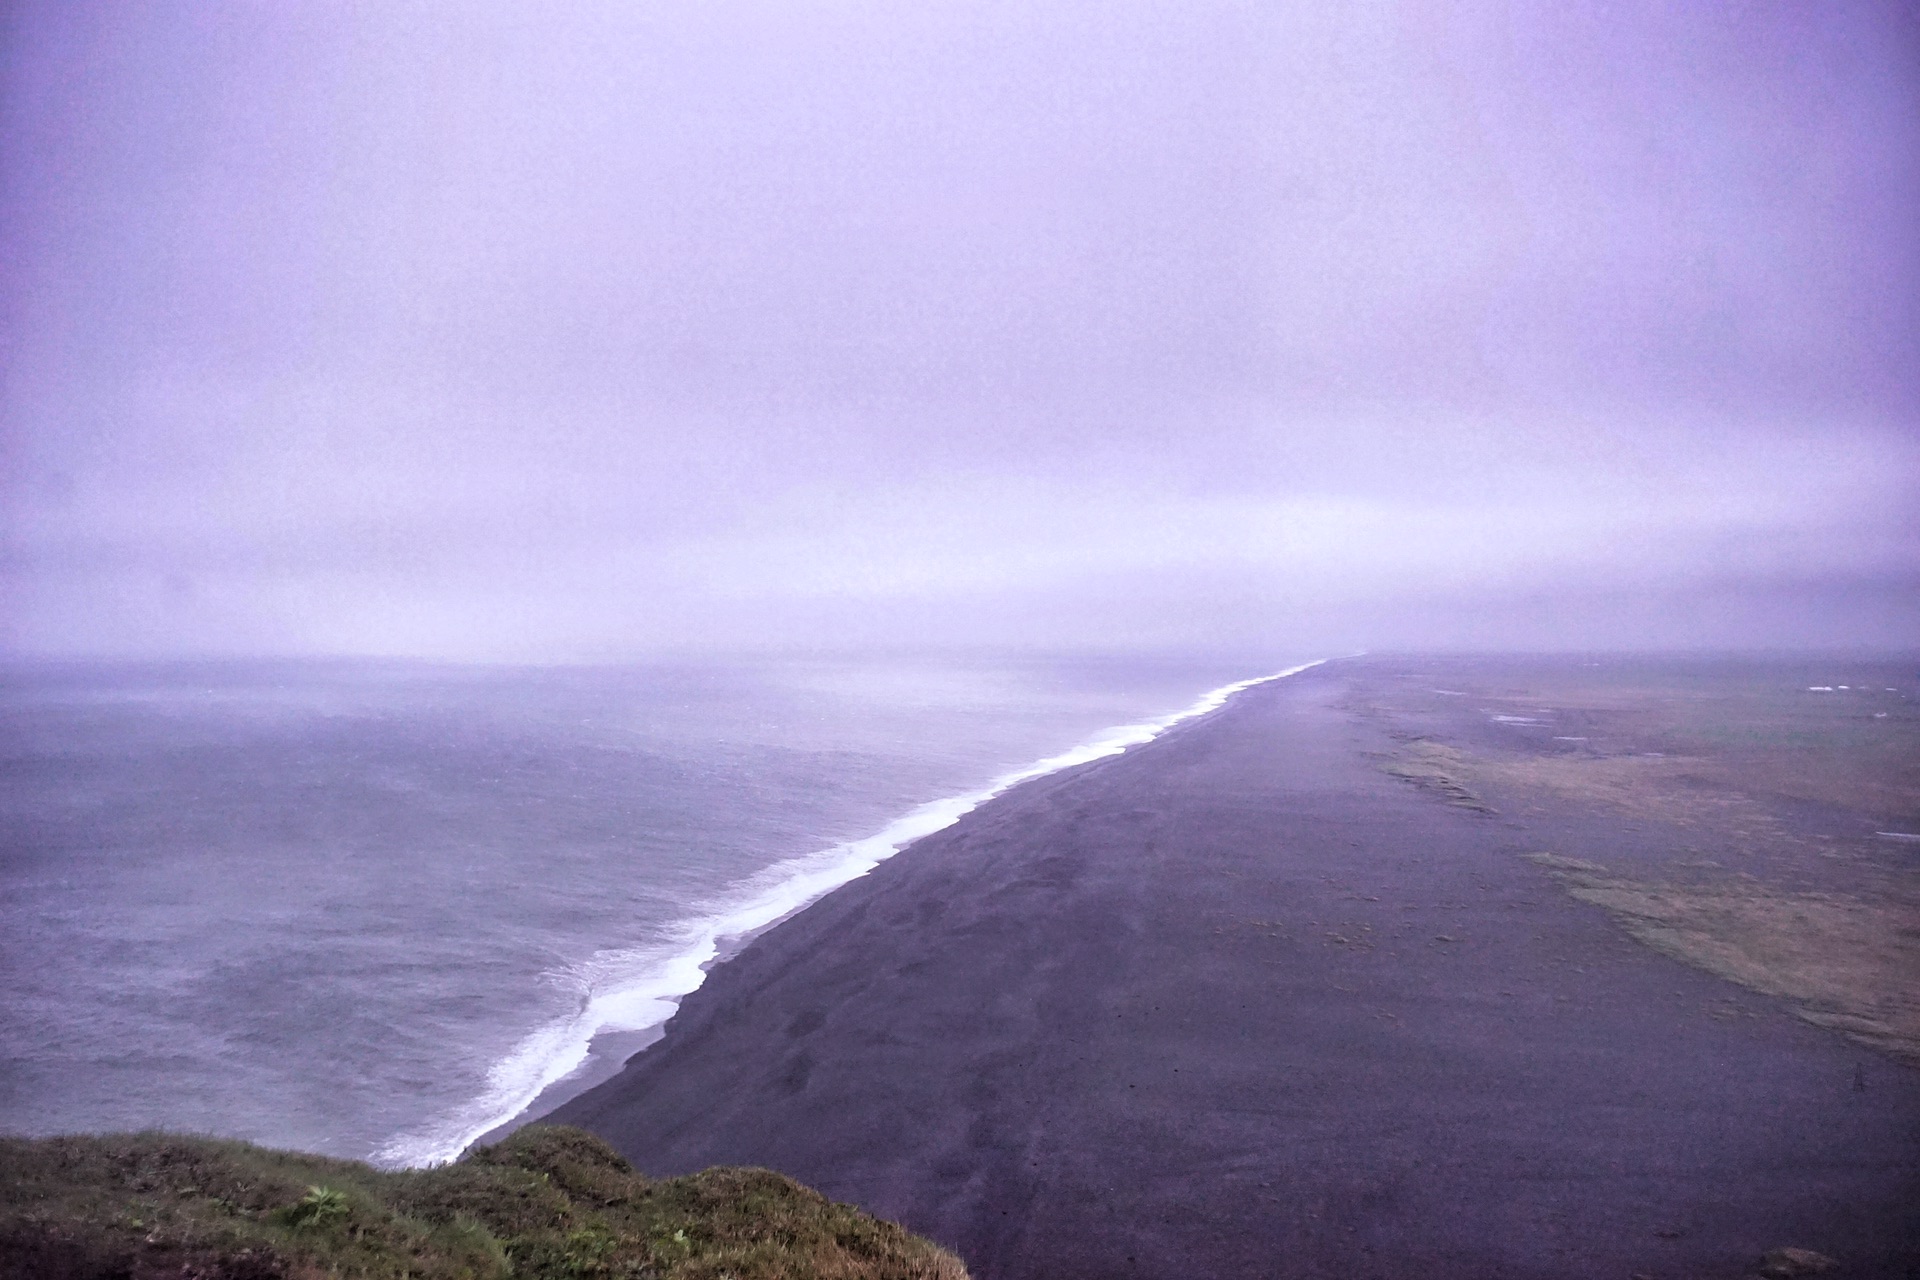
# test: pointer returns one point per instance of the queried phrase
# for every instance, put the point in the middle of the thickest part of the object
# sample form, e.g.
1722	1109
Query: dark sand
1242	1003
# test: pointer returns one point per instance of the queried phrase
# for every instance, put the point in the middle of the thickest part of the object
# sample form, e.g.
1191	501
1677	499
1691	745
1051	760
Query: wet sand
1242	1002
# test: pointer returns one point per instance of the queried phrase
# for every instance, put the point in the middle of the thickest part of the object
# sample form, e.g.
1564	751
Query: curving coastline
633	993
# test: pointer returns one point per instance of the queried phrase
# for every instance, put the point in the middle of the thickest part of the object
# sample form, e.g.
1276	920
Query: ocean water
374	910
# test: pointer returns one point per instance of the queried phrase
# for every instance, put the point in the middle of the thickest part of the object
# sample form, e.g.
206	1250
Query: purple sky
525	331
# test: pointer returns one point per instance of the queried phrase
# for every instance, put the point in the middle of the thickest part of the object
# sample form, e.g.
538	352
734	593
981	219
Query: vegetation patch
1844	962
1437	768
1715	768
1688	793
546	1202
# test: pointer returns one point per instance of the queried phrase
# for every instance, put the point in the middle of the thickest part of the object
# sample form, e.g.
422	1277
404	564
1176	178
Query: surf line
638	989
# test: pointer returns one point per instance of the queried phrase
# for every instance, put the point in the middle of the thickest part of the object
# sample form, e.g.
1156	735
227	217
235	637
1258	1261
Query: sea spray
635	990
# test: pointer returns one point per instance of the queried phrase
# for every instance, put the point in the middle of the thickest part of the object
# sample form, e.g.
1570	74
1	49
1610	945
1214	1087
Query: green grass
547	1202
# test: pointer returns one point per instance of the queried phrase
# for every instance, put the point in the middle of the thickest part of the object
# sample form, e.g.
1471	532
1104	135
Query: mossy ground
547	1202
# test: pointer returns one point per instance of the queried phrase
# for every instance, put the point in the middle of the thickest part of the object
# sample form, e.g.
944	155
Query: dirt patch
1848	963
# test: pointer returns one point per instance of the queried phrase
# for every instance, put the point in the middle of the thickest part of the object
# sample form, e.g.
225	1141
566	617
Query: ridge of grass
1437	768
548	1201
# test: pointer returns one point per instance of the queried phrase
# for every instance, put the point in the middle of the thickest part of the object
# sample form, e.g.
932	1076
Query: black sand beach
1243	1002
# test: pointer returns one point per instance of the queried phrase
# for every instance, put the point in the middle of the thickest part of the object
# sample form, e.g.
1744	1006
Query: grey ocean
374	909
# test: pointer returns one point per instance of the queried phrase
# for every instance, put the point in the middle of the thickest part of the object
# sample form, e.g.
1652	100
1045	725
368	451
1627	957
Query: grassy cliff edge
546	1202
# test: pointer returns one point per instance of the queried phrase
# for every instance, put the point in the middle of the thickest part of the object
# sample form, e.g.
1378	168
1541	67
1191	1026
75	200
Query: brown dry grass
1439	769
1763	738
1720	761
1844	962
1684	791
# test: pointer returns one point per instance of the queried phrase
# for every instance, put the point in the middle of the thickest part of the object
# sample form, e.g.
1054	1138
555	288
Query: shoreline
562	1060
1245	1001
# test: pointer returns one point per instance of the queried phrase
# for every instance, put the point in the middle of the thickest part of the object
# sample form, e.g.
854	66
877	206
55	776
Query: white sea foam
634	990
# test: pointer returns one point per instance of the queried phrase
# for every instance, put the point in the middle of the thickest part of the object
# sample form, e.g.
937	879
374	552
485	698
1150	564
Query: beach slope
1261	999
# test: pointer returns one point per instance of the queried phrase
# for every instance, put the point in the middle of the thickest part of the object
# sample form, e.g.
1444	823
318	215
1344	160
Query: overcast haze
550	332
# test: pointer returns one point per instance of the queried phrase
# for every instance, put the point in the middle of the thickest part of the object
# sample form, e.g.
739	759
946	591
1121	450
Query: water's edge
634	993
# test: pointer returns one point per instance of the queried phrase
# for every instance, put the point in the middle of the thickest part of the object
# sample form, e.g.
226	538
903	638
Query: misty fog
505	331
